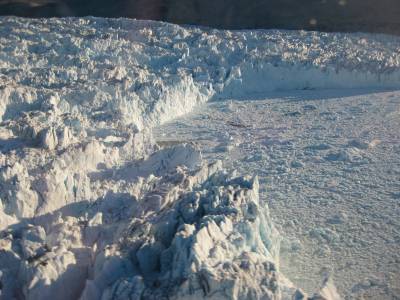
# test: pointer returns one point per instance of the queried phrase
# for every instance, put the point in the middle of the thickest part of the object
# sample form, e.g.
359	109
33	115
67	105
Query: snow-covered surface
93	207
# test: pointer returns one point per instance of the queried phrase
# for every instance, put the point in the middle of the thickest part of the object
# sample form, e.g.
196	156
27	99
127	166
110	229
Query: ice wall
144	72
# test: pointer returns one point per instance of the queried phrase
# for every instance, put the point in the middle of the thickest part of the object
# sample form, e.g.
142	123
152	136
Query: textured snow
93	208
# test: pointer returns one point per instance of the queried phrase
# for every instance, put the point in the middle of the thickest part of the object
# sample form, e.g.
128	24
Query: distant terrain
322	15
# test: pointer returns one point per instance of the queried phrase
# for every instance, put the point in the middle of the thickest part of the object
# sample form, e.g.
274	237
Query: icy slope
93	207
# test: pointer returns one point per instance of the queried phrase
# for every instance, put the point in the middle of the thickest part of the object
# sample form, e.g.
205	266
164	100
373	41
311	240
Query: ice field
145	160
329	169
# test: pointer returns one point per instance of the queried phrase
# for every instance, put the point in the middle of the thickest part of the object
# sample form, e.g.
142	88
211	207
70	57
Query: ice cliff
144	73
92	208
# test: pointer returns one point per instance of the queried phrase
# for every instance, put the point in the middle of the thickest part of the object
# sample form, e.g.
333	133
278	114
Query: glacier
92	207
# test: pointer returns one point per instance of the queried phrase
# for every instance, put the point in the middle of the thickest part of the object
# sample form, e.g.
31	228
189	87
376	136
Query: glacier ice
93	208
145	73
192	234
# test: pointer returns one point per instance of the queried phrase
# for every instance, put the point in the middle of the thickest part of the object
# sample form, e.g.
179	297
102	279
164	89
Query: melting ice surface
93	208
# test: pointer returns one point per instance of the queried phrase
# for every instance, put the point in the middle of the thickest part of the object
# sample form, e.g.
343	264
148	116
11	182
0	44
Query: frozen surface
144	73
329	168
92	207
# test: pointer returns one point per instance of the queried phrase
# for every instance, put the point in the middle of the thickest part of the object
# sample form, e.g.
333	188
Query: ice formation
92	208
